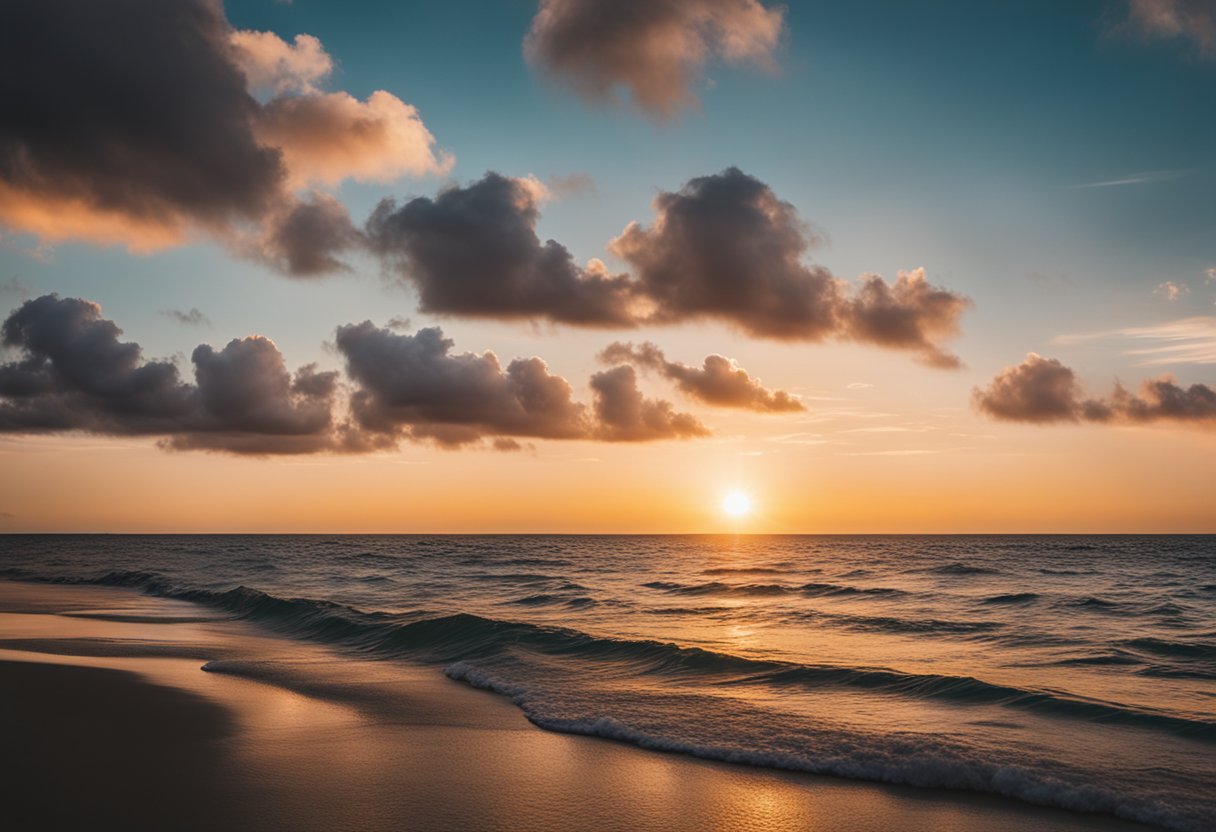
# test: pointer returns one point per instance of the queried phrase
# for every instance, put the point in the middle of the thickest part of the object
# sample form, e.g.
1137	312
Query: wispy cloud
1144	178
1171	290
1184	341
192	317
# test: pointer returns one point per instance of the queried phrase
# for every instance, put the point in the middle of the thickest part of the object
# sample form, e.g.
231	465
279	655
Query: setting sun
736	504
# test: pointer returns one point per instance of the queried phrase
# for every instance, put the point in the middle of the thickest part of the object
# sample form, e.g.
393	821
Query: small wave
1181	649
845	589
1012	598
1094	603
720	588
891	624
958	568
759	590
743	570
513	577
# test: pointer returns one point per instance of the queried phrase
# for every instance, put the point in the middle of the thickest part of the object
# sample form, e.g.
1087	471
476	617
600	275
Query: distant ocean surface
1077	672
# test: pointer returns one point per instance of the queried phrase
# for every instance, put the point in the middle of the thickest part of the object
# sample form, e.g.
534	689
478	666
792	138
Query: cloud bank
723	247
135	122
1042	390
73	373
414	386
656	51
719	381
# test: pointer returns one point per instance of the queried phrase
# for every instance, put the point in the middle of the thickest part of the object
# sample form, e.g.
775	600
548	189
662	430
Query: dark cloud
192	317
654	51
414	386
306	239
726	247
132	122
1163	399
474	251
719	381
1037	390
1042	390
74	374
723	247
129	115
625	415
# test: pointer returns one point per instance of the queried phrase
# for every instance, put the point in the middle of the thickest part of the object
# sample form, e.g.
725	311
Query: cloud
625	415
1042	390
723	247
1037	390
74	374
654	51
1210	275
726	247
14	286
574	184
415	387
326	138
1146	178
272	65
1184	341
1171	291
306	239
910	314
135	123
193	317
1170	19
719	381
474	251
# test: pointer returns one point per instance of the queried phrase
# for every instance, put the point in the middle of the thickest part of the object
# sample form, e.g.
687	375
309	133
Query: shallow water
1069	671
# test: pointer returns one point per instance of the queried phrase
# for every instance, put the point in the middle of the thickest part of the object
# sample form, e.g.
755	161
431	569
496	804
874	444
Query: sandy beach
109	720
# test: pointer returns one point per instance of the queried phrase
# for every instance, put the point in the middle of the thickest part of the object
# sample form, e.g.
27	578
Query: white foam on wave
952	769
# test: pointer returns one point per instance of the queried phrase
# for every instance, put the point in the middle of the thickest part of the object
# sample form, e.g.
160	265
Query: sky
592	265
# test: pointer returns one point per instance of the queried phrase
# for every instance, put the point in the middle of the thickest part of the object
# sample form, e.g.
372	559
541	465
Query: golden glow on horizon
736	504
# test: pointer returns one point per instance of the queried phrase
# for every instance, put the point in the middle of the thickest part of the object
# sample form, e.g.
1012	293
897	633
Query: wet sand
109	722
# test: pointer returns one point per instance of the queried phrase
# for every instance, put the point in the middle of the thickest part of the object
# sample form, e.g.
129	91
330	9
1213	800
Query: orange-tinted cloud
719	381
654	51
1167	19
134	123
328	137
273	65
1042	390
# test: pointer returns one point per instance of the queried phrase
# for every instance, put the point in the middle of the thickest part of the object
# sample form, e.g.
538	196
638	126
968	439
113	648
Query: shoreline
323	741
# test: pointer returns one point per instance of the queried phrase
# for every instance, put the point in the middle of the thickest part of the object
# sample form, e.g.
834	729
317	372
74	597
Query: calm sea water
1069	671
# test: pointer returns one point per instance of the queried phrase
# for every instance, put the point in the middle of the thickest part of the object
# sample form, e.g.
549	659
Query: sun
736	504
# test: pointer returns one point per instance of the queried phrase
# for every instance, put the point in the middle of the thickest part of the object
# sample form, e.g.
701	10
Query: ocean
1068	671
